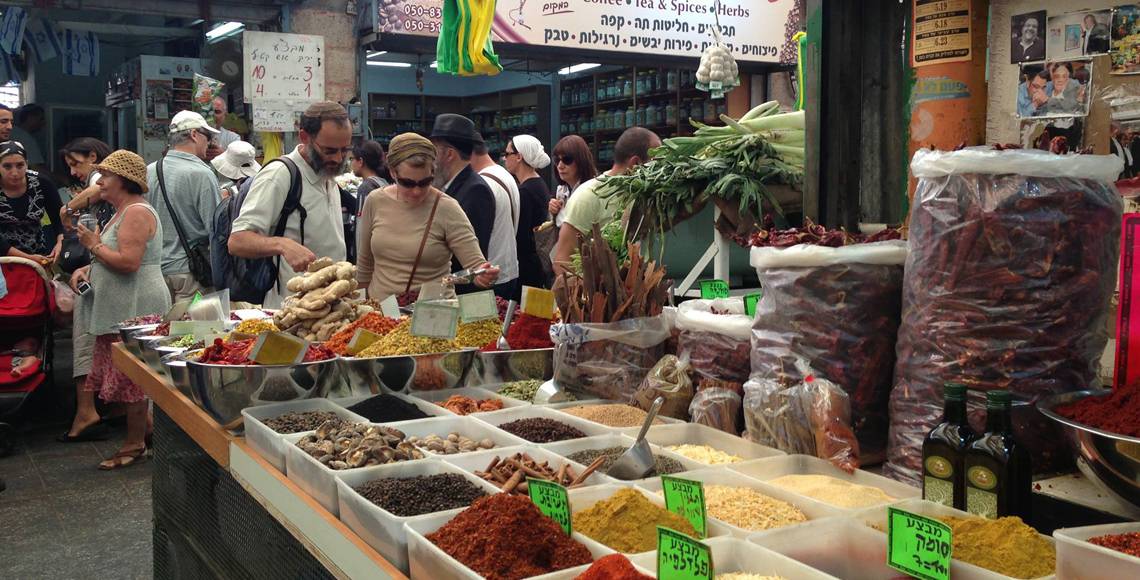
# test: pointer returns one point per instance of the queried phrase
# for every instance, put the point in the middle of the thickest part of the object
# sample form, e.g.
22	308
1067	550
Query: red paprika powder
1117	413
527	332
1127	543
613	567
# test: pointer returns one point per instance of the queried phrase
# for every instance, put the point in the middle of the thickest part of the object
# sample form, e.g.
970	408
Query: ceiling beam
248	11
132	30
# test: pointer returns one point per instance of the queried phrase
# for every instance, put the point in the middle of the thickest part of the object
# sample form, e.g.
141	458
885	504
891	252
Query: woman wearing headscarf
29	209
523	156
411	230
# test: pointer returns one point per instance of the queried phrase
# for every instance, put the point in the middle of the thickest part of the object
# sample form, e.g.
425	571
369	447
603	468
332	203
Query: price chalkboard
283	66
686	498
680	557
552	500
714	289
918	545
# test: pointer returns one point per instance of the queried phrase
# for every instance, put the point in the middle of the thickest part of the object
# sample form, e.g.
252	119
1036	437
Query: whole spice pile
627	522
705	454
451	444
486	538
525	390
749	509
612	415
477	334
1006	545
238	352
813	234
662	465
324	300
511	474
612	567
461	405
188	341
1119	412
608	291
373	321
294	422
542	430
1126	543
387	408
412	496
342	445
830	490
255	326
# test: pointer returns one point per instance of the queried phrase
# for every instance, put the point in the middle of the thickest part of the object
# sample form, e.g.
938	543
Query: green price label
680	557
918	545
194	300
714	289
552	501
750	302
686	498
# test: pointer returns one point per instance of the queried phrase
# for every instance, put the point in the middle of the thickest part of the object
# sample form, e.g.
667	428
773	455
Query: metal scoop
637	462
502	344
550	392
463	276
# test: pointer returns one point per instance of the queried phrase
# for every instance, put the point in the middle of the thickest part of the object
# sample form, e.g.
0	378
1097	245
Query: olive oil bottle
944	452
999	472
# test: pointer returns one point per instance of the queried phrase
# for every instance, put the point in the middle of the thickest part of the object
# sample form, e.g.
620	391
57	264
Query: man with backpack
292	230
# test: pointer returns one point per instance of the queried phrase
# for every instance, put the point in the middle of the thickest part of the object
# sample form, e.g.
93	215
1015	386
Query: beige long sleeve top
391	231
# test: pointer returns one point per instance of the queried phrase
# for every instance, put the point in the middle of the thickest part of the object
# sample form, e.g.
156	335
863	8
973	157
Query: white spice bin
774	467
271	444
736	555
1077	558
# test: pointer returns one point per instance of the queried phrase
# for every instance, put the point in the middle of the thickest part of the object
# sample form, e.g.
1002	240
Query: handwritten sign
714	289
552	500
278	348
686	497
196	327
941	31
283	66
435	320
680	557
750	302
362	339
278	115
537	302
390	307
478	306
918	545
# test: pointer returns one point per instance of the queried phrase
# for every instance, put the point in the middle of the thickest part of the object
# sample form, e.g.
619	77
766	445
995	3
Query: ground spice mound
612	567
627	522
1117	413
1127	543
505	537
1006	545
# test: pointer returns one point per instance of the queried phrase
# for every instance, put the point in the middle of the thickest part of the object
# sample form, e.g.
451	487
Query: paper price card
538	302
278	348
680	557
435	320
390	307
918	545
552	500
430	291
750	302
713	289
478	306
362	339
196	327
686	497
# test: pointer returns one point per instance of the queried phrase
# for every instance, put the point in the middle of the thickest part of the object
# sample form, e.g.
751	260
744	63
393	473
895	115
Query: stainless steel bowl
153	357
1109	459
179	373
224	390
398	374
131	335
125	331
504	366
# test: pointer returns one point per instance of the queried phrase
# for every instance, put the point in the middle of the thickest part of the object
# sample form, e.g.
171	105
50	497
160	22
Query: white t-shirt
503	249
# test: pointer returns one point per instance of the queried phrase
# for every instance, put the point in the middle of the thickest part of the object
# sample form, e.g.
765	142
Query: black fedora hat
455	128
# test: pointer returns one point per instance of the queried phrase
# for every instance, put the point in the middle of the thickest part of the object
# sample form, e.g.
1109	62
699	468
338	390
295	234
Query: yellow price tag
538	302
279	348
362	339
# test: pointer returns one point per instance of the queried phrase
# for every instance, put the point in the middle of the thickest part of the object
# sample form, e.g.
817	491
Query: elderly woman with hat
411	230
123	281
523	156
237	164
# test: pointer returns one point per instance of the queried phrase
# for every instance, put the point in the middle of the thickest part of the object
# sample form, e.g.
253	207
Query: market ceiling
249	11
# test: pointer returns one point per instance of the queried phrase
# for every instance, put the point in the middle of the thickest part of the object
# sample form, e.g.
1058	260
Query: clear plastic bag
669	378
1012	268
607	360
64	303
718	408
715	339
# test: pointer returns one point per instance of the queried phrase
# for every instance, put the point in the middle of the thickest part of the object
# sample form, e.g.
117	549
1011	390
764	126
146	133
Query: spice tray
479	460
697	434
430	409
773	467
504	366
465	426
841	547
736	555
875	518
494	388
1077	558
312	476
585	498
399	374
659	421
476	393
567	448
378	527
497	418
272	445
813	509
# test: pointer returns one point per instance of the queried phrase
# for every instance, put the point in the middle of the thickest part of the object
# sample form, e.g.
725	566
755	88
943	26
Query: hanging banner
80	53
754	31
283	66
941	32
43	39
12	29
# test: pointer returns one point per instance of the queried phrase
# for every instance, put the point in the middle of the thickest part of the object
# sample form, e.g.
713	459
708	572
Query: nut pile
540	430
452	444
613	415
342	445
324	301
461	405
413	496
511	474
749	509
663	465
294	422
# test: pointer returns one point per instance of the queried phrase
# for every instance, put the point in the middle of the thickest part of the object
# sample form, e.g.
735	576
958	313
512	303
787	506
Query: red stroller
25	338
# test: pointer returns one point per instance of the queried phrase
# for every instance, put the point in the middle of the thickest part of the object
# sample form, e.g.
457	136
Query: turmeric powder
1006	545
627	522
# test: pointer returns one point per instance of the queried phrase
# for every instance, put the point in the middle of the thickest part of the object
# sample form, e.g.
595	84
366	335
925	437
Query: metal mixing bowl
504	366
179	374
224	390
131	335
1111	460
153	356
397	374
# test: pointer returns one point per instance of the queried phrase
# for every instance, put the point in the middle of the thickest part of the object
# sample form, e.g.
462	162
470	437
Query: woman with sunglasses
523	155
575	166
411	230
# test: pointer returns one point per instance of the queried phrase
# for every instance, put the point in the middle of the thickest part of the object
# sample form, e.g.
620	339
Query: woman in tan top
395	255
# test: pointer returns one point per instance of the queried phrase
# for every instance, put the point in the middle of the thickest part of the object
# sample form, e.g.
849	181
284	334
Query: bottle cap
999	397
956	391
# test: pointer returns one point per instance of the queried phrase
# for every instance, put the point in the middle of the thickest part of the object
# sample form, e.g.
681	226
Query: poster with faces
1077	34
1055	89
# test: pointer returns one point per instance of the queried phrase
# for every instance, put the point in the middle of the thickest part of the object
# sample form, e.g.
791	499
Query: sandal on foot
124	459
93	432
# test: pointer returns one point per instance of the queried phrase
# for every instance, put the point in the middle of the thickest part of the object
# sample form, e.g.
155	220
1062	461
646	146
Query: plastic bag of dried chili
607	360
716	339
837	309
1013	264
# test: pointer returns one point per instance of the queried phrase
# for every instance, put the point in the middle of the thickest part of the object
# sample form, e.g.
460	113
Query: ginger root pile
325	299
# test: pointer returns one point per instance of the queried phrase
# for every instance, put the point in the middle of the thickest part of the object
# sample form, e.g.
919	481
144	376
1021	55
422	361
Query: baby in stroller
25	321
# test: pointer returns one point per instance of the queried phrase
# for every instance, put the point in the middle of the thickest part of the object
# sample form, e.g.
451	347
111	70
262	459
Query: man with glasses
192	192
326	142
455	139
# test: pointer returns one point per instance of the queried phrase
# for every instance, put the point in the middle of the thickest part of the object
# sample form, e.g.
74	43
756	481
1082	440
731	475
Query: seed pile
511	474
627	522
342	445
836	492
294	422
255	327
1127	543
705	454
747	508
540	430
373	322
450	445
413	496
663	465
386	409
614	415
461	405
477	334
525	390
400	342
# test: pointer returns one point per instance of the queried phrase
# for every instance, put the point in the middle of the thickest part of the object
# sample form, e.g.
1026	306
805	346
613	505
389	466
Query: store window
10	95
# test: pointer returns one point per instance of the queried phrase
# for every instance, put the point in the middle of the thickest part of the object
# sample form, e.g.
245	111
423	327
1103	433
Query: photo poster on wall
1027	37
1055	89
1076	34
1124	131
1126	40
1047	134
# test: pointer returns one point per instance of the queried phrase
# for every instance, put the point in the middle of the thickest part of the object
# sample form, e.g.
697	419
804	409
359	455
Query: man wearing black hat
455	137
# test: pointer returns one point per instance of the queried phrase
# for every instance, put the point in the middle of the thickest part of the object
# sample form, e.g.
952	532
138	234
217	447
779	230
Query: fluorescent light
390	64
434	64
578	68
377	53
223	29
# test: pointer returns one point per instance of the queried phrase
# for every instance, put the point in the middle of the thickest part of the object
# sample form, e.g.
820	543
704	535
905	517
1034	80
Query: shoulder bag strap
170	208
514	217
423	243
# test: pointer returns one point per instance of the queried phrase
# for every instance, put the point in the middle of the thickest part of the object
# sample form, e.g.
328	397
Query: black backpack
249	279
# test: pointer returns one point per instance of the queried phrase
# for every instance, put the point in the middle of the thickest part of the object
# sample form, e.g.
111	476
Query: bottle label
980	497
937	484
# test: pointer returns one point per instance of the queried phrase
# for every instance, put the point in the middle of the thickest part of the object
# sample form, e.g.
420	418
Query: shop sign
941	32
755	31
283	66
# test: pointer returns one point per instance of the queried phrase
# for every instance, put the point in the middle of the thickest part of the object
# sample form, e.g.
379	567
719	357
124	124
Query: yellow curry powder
1005	545
627	522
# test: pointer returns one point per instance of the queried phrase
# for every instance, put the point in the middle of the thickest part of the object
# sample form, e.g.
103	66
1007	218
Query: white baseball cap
187	120
239	160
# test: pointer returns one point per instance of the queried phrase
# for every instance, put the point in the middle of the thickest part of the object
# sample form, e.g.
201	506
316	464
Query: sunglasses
410	184
564	159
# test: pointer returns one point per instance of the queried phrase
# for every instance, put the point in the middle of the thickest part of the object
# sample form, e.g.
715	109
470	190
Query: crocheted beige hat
125	164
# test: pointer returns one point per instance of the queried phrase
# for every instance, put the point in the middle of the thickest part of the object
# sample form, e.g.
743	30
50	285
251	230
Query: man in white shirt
503	249
326	140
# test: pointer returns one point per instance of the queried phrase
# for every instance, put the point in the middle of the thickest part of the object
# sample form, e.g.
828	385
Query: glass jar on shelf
630	117
641	84
672	80
670	114
613	88
626	87
710	112
696	110
603	88
647	115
